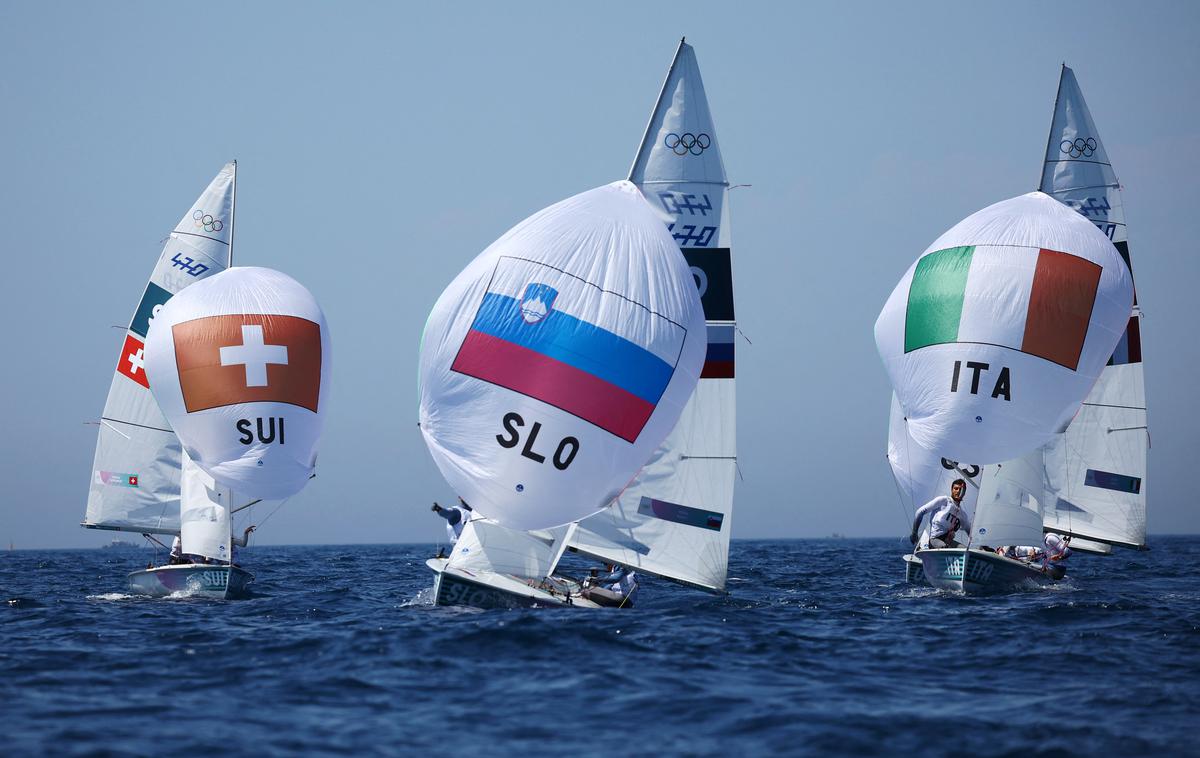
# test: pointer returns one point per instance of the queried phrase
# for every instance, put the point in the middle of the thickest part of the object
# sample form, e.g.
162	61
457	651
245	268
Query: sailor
618	587
1057	550
946	517
236	542
245	538
456	517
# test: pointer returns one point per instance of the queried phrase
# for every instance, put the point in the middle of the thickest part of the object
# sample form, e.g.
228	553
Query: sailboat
992	339
1092	476
135	482
239	365
674	519
551	369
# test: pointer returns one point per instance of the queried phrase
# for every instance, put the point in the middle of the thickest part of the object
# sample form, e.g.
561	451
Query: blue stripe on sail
577	343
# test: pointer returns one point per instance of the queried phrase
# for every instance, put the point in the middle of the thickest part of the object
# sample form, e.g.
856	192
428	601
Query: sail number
1096	210
188	264
563	454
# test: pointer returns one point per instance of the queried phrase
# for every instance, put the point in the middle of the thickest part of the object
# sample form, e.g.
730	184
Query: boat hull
978	572
194	579
487	590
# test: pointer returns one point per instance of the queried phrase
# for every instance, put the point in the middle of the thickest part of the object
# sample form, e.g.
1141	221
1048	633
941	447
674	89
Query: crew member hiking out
946	517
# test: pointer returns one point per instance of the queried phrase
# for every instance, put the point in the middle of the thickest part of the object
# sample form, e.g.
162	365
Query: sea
818	648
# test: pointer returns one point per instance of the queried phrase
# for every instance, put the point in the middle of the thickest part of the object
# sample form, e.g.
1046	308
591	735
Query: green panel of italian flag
1036	301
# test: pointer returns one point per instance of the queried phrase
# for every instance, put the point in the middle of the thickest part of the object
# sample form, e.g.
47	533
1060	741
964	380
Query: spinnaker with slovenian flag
559	359
136	472
675	519
997	332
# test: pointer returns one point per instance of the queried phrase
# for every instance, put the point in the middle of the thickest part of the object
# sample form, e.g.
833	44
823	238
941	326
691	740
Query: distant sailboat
675	518
991	340
551	368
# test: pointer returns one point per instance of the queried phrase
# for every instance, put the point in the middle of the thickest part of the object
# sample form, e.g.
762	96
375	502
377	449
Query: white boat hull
978	572
488	590
194	579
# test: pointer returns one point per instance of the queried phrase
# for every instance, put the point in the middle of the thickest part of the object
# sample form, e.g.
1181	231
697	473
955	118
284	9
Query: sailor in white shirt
456	517
946	517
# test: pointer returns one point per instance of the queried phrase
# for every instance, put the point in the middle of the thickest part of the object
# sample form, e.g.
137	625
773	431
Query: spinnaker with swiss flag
240	366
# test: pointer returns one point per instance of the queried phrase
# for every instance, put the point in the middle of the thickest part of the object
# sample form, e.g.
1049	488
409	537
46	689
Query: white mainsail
674	519
135	481
1096	471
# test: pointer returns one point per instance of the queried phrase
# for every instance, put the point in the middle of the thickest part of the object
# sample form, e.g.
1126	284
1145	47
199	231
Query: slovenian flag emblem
1036	301
525	338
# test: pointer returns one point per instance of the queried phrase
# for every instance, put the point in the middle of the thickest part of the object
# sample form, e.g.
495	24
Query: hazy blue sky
382	146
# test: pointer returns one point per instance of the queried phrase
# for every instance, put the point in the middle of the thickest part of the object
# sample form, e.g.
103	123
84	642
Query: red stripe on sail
531	373
1060	307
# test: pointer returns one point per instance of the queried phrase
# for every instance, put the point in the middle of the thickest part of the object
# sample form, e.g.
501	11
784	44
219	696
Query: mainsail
136	471
674	520
1095	473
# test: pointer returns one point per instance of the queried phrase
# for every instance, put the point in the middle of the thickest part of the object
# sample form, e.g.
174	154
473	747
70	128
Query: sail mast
229	265
654	111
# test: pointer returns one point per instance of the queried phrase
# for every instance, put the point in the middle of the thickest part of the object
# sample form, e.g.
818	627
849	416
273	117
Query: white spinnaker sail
240	365
485	545
556	363
1096	471
204	513
135	474
996	333
674	520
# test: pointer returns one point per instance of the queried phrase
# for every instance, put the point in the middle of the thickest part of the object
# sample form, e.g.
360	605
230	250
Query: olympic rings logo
1079	148
207	222
682	144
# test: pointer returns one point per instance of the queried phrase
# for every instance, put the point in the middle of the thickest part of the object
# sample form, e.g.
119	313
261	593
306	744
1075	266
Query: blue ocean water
819	648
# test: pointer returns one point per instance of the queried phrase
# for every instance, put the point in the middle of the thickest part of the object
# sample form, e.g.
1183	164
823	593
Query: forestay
675	519
559	359
1096	471
135	475
240	364
997	332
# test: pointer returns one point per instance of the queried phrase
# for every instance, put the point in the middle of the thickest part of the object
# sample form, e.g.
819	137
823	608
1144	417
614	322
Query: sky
381	146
